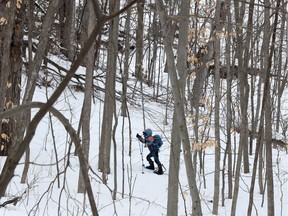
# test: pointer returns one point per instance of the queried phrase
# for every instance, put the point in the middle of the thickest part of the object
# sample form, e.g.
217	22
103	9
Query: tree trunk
105	145
11	63
86	108
256	156
172	204
243	83
174	164
229	104
67	28
279	72
247	56
179	107
268	108
6	32
33	70
125	74
139	40
217	89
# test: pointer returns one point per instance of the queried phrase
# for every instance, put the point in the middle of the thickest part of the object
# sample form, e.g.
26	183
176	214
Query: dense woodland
227	66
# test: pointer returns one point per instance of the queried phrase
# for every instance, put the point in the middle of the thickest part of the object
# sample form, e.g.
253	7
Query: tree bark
268	110
174	164
106	135
6	33
139	40
217	89
172	204
229	104
179	107
243	83
11	65
86	108
125	74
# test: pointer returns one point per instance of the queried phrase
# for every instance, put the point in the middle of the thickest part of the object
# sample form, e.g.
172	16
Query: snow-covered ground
50	193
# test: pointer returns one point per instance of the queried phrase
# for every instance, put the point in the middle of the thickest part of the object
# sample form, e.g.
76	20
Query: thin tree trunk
106	135
114	193
30	19
125	74
172	204
179	107
217	89
174	164
229	105
70	35
86	108
268	110
247	56
139	39
33	72
237	180
256	155
243	83
279	71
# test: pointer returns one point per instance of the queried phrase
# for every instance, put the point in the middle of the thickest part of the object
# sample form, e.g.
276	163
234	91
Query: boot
151	166
159	171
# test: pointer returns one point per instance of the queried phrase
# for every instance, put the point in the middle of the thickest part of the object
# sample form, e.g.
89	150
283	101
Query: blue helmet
147	132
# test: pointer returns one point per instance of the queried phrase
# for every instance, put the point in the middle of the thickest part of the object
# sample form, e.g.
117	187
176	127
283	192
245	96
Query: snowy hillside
49	192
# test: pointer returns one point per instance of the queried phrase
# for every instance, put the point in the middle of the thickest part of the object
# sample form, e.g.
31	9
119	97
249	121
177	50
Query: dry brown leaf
4	136
3	21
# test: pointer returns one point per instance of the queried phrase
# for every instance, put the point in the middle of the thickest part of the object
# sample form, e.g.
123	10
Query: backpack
157	141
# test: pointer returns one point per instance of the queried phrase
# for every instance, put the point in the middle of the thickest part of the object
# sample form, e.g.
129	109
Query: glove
138	136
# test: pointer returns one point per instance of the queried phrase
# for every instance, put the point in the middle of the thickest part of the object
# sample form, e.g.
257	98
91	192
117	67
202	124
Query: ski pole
141	152
163	167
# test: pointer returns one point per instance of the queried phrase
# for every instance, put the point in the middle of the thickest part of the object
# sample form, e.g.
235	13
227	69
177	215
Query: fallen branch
13	201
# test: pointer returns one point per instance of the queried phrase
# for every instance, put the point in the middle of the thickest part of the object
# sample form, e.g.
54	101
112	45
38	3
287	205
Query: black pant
155	155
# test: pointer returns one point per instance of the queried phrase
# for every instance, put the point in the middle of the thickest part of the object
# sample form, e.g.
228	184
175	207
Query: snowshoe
159	171
151	166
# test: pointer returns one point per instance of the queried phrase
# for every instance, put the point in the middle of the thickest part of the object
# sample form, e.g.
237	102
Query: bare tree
244	92
243	83
86	108
33	71
217	89
105	145
228	150
281	75
268	108
181	66
67	28
139	40
174	166
179	107
125	74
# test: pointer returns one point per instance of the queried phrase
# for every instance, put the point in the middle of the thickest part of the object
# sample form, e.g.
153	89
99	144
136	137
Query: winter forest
79	79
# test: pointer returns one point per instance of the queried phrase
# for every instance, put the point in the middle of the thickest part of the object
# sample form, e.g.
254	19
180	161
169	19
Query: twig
13	201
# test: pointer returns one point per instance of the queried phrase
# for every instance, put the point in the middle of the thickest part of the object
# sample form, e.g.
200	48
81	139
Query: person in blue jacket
154	151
